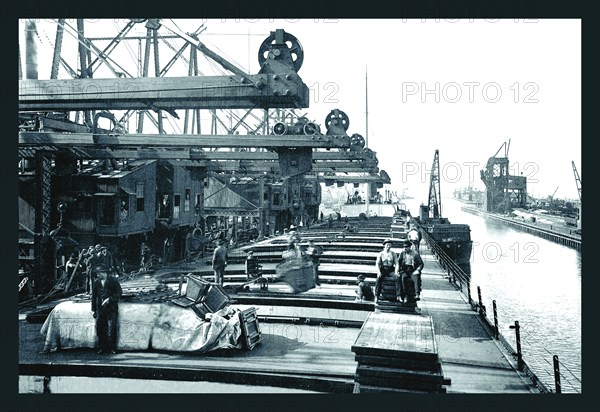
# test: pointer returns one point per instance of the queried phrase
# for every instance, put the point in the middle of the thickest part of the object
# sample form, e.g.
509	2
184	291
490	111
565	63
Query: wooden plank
359	388
391	361
400	374
398	383
395	334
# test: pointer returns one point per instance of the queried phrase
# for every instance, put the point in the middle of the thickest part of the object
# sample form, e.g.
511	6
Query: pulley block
270	49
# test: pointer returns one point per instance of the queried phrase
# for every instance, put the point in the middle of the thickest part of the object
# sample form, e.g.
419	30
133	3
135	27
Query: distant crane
577	179
434	205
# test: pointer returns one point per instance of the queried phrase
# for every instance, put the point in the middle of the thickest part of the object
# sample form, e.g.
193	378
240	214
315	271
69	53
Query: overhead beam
207	92
350	179
180	140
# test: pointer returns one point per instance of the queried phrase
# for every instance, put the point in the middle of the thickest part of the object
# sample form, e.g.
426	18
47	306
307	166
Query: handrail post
495	319
469	291
557	384
516	327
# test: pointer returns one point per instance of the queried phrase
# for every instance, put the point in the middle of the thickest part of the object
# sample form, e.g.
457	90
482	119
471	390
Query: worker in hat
410	264
387	265
363	290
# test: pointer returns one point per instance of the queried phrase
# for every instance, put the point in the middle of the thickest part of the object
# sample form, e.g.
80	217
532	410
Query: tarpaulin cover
142	326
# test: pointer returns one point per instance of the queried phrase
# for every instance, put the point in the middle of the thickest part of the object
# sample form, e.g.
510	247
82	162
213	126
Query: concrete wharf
555	232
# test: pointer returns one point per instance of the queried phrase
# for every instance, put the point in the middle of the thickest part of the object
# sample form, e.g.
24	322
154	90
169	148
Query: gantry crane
502	190
47	131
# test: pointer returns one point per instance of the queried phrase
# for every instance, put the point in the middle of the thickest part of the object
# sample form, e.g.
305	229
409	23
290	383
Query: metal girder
350	179
184	154
227	211
274	166
179	140
209	92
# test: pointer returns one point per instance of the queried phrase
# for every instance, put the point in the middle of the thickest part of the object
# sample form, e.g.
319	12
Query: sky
463	87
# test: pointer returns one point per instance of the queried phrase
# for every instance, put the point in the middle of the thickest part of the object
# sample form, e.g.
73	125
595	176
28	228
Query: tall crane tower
432	213
435	196
578	183
502	190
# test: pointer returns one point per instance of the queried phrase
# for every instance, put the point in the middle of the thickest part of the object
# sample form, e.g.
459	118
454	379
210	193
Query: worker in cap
363	290
387	265
410	264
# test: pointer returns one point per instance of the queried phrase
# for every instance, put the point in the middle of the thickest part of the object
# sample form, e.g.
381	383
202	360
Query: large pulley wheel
294	47
337	118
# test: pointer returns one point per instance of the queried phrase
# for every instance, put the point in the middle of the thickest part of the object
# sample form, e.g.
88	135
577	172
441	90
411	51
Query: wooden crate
216	298
250	329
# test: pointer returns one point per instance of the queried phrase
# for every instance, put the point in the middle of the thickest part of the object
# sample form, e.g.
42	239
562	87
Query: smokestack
31	65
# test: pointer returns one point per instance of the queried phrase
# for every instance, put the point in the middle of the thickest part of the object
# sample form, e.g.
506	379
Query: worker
252	266
314	253
363	290
145	252
293	248
105	308
414	236
95	264
219	261
387	265
411	265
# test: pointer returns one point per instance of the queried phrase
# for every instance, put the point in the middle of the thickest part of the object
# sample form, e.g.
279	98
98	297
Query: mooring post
557	384
481	307
516	327
495	319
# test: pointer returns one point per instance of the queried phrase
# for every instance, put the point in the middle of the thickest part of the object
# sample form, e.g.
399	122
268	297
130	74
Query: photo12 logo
454	172
454	92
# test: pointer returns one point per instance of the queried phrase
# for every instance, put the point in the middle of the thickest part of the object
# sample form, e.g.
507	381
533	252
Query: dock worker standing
414	236
105	308
314	253
387	265
219	261
411	264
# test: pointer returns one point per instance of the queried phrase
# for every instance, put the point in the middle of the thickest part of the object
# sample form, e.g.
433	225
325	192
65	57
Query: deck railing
462	281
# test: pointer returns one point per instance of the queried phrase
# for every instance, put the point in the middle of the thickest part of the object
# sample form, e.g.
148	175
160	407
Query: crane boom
435	197
577	179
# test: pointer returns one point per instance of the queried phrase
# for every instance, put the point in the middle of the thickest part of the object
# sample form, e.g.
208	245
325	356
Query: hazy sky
461	86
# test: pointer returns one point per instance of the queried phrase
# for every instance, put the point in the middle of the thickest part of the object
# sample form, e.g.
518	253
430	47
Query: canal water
534	281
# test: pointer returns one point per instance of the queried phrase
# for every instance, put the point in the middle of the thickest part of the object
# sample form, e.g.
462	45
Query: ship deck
306	338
